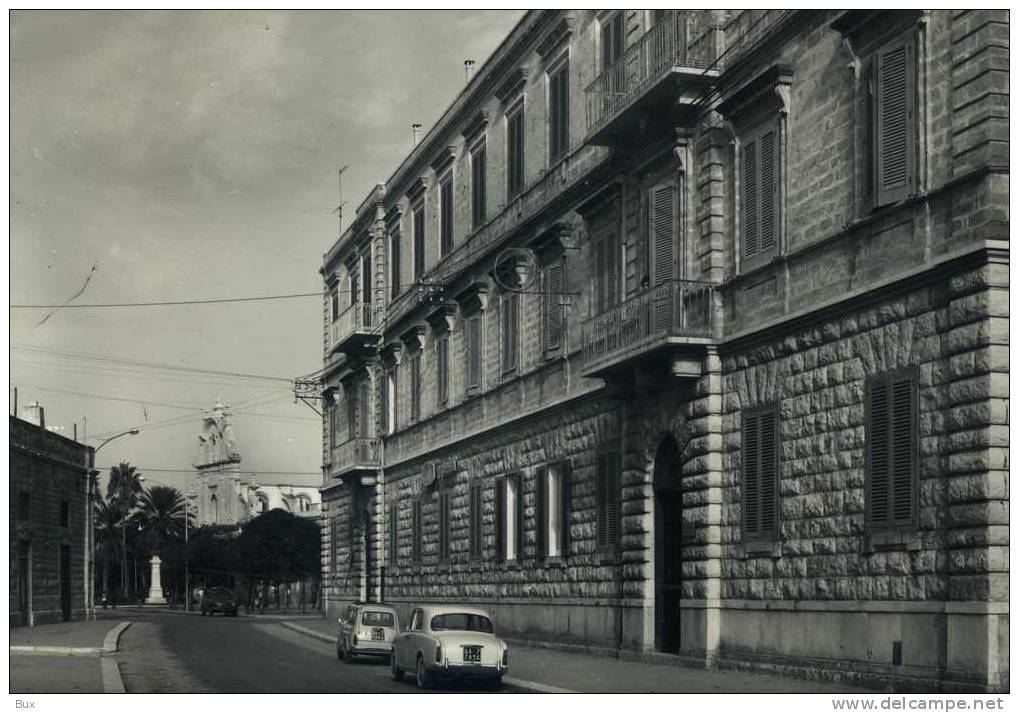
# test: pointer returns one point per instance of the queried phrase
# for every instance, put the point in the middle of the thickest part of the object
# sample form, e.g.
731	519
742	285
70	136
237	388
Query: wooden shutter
541	512
750	191
415	386
751	475
444	525
878	413
366	284
600	301
553	307
394	264
519	514
663	234
500	519
350	393
393	529
768	199
515	153
364	410
354	289
419	242
446	214
473	350
475	537
892	449
442	368
566	503
416	526
608	499
895	120
559	96
478	170
510	323
903	443
768	471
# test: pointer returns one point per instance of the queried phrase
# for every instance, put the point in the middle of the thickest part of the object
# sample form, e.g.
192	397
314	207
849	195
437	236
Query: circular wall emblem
515	269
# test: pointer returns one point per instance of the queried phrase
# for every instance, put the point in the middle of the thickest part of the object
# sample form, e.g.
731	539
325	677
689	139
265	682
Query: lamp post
93	471
187	583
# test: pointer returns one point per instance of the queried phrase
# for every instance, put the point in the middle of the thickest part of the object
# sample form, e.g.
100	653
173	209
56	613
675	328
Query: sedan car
219	599
366	630
445	642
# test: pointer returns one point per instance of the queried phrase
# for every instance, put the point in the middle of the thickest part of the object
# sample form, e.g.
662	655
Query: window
515	151
416	531
24	506
354	289
417	620
552	510
612	40
462	622
605	240
478	168
334	303
892	449
378	618
350	391
394	523
558	111
446	214
389	401
65	514
363	405
419	241
509	518
892	126
760	199
662	204
442	369
760	474
552	307
394	264
608	501
472	335
332	411
366	283
510	331
414	364
444	499
334	544
475	516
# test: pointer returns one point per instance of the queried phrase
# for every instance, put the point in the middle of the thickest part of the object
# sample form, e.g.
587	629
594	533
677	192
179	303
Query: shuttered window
606	264
515	152
892	449
558	111
446	214
891	85
760	198
760	474
552	510
394	526
509	517
444	525
350	392
510	331
334	544
608	501
363	407
552	307
387	394
612	40
394	264
366	283
415	523
334	303
478	175
419	242
475	521
353	284
333	424
663	233
442	369
472	335
414	365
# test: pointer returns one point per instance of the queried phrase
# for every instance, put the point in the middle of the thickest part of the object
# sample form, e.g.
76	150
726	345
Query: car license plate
378	634
472	654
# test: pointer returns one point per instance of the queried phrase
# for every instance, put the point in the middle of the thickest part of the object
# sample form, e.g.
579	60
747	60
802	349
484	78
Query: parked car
219	600
449	642
366	630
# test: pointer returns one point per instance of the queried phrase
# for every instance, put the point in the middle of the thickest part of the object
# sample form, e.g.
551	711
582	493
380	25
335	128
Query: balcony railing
355	454
678	308
745	30
359	319
681	40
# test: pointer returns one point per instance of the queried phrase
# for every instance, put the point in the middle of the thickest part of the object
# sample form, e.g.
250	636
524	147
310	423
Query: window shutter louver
566	501
416	530
446	214
612	495
442	369
768	197
894	116
473	352
768	473
663	234
444	525
520	517
553	307
350	393
751	475
541	512
475	533
510	323
903	450
394	264
419	243
500	519
750	214
611	268
877	451
599	276
393	529
601	525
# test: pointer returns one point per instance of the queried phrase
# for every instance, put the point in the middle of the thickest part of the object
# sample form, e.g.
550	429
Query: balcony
673	62
356	328
665	327
357	457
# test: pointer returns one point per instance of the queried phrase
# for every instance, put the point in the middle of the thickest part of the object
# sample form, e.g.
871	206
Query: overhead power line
169	303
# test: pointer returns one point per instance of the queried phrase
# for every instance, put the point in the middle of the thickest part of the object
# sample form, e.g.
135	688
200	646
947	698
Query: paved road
176	653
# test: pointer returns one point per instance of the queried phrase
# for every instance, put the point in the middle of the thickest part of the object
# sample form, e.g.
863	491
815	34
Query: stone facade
50	527
737	235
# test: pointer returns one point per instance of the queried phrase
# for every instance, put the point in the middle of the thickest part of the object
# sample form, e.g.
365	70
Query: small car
446	642
366	629
219	599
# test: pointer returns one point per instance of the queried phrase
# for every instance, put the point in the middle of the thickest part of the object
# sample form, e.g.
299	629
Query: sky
189	156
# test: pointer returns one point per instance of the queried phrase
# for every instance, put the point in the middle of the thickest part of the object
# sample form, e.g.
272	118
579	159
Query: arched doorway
668	557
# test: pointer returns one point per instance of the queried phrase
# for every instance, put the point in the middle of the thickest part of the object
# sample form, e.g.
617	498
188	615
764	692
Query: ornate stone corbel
414	338
443	318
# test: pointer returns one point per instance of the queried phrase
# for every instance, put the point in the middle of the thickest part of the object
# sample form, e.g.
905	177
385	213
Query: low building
50	525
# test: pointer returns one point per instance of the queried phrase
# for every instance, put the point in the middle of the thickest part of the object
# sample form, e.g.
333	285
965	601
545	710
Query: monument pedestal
155	585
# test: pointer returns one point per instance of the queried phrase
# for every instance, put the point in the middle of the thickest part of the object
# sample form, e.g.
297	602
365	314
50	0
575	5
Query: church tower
221	493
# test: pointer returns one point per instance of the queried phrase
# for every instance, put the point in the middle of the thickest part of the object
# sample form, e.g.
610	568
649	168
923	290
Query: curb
112	681
112	640
507	680
65	650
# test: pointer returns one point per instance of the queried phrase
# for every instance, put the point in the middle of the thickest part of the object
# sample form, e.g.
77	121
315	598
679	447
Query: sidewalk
551	671
282	614
69	657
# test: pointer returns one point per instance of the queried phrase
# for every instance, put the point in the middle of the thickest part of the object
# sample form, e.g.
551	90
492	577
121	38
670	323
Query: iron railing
745	30
678	308
355	453
360	317
682	38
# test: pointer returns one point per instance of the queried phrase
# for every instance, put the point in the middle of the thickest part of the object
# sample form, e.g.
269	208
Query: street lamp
187	584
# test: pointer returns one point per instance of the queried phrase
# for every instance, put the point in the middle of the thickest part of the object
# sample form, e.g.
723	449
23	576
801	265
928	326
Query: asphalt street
177	653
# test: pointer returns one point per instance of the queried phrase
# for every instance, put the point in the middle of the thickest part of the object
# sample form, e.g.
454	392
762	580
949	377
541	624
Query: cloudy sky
193	155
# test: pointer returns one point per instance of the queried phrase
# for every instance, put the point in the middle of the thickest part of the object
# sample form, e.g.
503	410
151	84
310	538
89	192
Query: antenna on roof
339	208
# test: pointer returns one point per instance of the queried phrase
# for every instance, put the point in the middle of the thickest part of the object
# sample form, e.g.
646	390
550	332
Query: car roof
376	607
431	610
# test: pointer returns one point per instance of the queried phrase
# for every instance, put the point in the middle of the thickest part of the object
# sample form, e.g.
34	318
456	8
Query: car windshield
462	622
377	618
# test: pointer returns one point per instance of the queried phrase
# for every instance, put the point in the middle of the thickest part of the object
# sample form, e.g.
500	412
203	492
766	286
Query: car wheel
423	679
393	668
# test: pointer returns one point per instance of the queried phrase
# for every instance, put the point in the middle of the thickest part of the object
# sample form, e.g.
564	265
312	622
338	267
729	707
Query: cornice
475	126
474	297
559	35
764	86
414	338
442	319
446	156
513	85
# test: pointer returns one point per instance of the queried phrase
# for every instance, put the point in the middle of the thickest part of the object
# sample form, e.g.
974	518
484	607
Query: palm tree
161	515
107	522
124	486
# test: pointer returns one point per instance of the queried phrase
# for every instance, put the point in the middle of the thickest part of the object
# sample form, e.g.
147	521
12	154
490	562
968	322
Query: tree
161	511
107	523
123	489
278	547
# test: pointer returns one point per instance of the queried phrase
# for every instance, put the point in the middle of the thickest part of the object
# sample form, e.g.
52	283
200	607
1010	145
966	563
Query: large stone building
50	524
227	494
686	332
